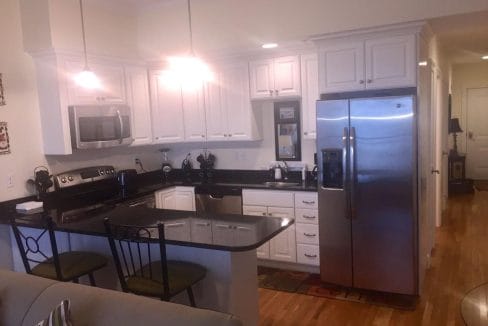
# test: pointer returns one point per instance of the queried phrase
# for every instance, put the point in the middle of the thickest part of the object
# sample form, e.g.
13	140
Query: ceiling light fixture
485	57
423	63
86	78
187	71
269	45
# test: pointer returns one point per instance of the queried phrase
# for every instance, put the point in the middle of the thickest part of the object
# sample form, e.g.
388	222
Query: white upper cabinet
111	78
374	63
310	94
229	114
272	78
194	113
390	62
167	111
138	100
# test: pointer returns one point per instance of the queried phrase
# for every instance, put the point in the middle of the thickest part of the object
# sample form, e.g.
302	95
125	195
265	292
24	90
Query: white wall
464	76
224	24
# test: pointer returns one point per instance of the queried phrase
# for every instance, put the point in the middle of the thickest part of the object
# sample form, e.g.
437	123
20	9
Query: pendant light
86	78
189	71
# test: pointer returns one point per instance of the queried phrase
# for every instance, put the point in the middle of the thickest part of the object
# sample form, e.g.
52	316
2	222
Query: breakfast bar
225	244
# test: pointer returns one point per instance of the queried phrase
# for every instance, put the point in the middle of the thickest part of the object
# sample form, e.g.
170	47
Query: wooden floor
460	262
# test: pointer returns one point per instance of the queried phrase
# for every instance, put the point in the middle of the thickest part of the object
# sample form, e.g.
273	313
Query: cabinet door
390	62
341	67
310	94
241	124
184	200
215	112
194	113
201	230
178	230
165	199
138	100
263	251
261	79
167	111
111	79
283	246
287	76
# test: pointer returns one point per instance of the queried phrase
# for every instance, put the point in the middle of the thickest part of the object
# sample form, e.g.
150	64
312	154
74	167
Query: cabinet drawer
306	215
308	254
307	233
267	198
306	200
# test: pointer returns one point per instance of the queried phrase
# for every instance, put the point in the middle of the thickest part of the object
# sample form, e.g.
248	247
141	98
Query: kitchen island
224	243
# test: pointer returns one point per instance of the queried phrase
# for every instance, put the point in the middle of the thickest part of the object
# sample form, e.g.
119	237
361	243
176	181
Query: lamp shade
454	126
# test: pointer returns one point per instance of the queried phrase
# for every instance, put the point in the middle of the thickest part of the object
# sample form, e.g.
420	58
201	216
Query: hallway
460	263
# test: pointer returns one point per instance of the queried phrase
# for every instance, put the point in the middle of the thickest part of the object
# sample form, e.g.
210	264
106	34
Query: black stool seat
73	264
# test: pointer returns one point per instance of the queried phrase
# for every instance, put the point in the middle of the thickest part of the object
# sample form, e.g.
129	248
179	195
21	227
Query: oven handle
121	124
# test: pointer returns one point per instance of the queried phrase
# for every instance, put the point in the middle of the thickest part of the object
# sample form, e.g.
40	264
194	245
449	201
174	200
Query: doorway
477	133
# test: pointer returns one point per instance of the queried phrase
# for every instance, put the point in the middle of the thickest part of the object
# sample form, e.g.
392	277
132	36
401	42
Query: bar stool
138	273
65	266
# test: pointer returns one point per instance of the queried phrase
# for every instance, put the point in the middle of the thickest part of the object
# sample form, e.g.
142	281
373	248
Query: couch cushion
95	306
17	292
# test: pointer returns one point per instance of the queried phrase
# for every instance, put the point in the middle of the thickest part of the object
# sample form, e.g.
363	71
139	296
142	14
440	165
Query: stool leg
92	279
191	297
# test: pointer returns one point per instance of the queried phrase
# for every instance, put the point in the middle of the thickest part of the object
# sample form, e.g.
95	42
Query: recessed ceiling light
423	63
269	45
485	57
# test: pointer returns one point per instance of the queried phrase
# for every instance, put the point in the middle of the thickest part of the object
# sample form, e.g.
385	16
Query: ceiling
464	38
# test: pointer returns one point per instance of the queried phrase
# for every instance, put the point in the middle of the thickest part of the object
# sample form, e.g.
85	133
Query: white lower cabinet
178	198
308	254
264	203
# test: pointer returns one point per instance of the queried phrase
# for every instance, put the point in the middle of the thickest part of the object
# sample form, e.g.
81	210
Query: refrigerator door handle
352	166
345	145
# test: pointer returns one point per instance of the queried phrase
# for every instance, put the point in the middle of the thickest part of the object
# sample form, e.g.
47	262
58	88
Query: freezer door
334	217
382	194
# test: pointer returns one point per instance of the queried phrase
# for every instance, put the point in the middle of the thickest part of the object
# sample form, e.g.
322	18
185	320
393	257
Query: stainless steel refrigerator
367	159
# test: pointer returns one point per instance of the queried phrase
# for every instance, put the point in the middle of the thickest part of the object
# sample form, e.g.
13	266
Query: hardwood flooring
459	263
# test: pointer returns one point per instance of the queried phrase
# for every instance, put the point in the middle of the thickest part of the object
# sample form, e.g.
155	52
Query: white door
390	62
310	94
283	246
342	67
215	113
194	113
261	79
287	76
138	100
167	111
477	134
235	98
263	251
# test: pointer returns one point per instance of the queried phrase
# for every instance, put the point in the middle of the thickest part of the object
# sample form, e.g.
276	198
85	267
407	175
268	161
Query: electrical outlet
10	181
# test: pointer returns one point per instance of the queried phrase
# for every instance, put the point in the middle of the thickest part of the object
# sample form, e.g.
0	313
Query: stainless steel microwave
98	126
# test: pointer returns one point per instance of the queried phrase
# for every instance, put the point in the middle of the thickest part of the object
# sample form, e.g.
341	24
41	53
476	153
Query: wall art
4	140
2	94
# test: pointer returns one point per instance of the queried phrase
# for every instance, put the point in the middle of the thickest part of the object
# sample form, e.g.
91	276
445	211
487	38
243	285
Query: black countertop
229	232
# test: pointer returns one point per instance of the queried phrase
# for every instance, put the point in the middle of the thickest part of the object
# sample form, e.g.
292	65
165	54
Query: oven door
100	126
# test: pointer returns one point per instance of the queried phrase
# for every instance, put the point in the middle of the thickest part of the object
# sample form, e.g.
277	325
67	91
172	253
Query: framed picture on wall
4	139
2	94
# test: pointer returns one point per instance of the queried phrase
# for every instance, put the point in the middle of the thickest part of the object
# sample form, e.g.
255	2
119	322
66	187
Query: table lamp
454	128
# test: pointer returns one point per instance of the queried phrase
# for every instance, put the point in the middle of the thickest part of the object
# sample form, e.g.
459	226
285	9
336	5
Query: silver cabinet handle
277	92
270	214
270	92
174	225
309	234
264	214
225	135
202	224
310	256
203	136
308	202
230	135
243	228
223	226
121	124
370	81
309	216
305	133
361	81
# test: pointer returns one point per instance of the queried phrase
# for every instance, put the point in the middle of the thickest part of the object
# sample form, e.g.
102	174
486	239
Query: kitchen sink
280	184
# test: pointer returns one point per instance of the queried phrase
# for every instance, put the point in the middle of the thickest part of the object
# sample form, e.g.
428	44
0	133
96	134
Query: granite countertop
229	232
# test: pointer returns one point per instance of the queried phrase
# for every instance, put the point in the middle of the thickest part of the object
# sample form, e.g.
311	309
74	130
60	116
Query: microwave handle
121	126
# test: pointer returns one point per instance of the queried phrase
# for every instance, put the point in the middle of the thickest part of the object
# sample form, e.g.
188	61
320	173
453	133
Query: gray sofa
27	299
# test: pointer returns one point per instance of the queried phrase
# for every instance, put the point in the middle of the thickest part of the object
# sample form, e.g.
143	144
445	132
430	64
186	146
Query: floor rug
310	284
481	185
